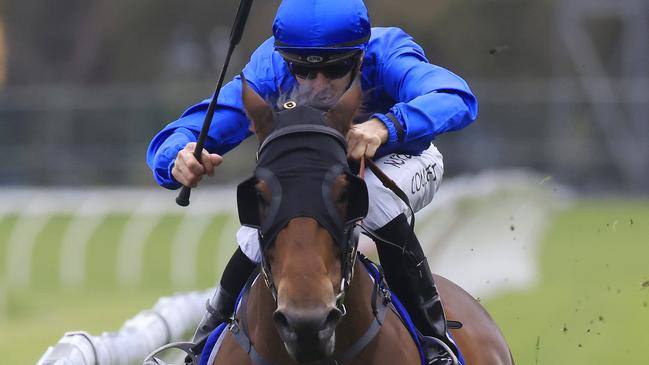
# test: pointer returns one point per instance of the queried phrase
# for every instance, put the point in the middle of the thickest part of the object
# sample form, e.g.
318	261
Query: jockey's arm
430	100
228	129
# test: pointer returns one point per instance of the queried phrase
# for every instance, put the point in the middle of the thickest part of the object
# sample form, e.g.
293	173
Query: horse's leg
479	339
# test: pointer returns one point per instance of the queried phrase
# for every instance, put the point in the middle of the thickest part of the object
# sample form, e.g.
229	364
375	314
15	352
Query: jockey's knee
418	176
384	205
248	240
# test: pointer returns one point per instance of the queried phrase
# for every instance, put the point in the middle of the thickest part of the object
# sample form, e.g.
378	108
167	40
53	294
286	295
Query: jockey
322	45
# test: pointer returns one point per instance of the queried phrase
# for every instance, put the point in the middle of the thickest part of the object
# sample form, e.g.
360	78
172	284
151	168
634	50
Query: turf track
589	307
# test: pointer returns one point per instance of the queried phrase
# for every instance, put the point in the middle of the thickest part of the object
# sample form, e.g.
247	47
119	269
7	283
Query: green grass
591	305
35	317
38	319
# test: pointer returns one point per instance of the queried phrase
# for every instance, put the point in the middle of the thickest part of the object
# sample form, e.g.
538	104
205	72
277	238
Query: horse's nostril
329	325
333	318
281	320
283	325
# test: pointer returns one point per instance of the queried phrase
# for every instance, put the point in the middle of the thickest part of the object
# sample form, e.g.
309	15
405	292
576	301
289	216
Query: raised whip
235	37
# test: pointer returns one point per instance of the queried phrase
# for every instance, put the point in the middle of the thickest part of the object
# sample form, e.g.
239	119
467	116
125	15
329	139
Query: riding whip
235	36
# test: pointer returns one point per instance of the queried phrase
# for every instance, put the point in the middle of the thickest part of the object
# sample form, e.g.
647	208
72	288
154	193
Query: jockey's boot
219	309
431	320
221	306
409	276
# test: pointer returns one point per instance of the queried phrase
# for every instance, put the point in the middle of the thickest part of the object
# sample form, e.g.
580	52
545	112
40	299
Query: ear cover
247	203
358	199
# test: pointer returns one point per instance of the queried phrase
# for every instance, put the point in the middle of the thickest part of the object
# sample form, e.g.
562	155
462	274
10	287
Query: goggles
332	71
333	66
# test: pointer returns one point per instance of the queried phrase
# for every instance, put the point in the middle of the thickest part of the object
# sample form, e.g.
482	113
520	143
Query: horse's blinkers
248	198
300	169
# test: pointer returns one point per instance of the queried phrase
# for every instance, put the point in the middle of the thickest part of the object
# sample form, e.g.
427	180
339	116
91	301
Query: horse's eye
261	198
343	196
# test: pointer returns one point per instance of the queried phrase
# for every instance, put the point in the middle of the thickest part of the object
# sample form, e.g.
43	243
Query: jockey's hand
188	171
365	138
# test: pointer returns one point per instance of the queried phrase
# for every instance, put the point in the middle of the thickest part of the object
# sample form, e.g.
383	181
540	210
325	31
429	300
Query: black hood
300	160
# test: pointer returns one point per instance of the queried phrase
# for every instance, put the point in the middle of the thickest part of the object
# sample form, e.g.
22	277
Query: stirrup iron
185	347
449	353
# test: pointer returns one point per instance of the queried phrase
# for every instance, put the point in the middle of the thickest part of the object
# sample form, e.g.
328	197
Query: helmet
321	31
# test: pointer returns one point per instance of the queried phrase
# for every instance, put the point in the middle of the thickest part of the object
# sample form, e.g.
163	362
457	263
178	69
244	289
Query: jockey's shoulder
389	41
389	36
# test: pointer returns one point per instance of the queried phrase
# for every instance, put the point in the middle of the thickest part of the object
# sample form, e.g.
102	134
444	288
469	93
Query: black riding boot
221	306
409	276
219	309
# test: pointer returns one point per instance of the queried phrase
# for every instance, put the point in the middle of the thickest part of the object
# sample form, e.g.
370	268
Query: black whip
235	37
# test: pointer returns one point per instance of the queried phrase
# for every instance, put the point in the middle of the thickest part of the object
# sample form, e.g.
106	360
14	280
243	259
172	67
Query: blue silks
415	100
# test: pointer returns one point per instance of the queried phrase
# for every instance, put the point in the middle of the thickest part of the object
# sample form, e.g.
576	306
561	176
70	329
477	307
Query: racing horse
314	301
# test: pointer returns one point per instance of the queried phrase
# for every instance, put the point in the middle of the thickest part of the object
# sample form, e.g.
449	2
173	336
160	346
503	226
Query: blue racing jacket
415	99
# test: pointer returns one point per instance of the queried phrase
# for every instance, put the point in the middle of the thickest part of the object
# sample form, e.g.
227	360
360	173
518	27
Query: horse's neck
263	334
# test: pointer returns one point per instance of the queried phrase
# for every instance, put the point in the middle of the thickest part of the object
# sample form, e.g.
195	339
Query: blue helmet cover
321	26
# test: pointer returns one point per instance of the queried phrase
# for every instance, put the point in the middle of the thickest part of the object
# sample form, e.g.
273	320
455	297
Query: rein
390	184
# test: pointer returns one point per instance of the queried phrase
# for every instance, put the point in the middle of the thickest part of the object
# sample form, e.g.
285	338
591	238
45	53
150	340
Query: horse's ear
259	112
342	114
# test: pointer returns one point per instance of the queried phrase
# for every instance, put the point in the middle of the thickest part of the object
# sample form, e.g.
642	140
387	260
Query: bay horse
314	302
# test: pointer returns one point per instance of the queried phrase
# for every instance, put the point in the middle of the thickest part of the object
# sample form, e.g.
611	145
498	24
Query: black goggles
331	71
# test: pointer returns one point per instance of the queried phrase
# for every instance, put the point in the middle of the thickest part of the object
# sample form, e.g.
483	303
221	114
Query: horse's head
304	200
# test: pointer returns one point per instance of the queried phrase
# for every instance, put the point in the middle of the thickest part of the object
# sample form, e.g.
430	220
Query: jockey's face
325	88
329	82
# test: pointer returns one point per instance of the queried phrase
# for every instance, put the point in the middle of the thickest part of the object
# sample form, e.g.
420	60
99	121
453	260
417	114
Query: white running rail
170	320
501	202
